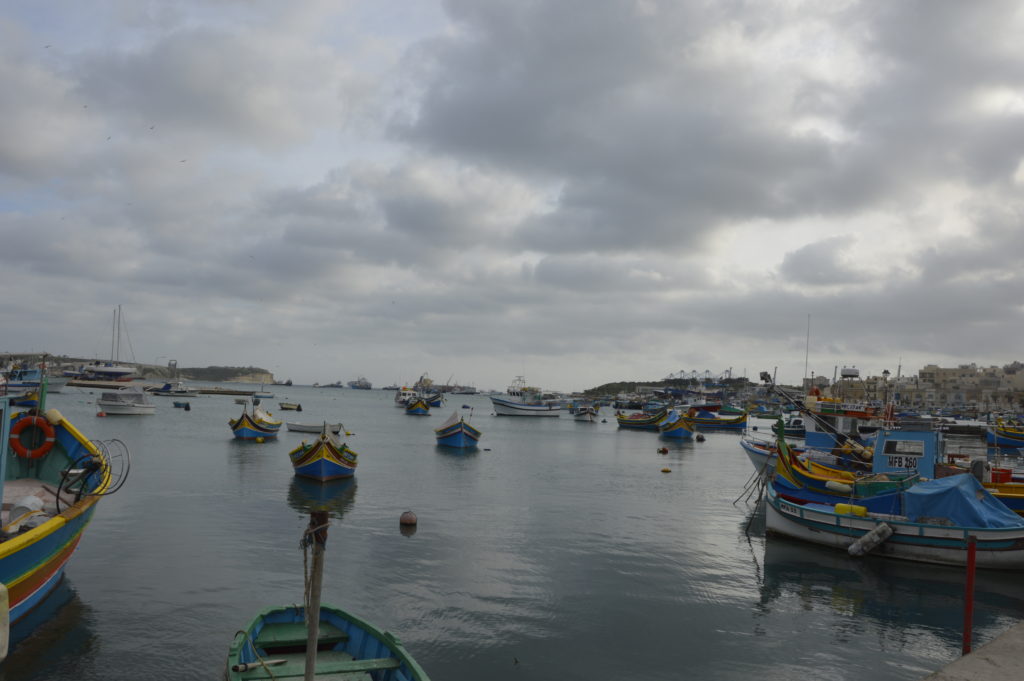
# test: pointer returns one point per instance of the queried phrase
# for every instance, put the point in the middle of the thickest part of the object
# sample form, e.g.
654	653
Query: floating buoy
604	420
188	407
101	413
663	450
699	438
259	439
754	428
407	518
666	470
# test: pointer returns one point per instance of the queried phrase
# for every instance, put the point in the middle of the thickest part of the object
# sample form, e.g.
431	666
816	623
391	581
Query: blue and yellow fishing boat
259	425
417	407
456	432
324	459
705	420
1002	435
675	427
641	420
51	478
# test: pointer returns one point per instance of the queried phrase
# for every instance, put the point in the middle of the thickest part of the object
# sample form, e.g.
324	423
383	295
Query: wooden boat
641	420
324	459
456	432
705	420
417	407
317	641
434	399
999	531
1005	436
289	406
176	389
793	426
585	411
675	427
335	428
931	520
54	478
28	398
522	400
127	401
259	425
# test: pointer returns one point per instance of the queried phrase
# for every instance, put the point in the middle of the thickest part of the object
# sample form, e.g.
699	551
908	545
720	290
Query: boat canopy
961	499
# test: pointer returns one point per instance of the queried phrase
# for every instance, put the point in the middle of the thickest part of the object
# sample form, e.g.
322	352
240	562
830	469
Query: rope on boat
308	539
259	658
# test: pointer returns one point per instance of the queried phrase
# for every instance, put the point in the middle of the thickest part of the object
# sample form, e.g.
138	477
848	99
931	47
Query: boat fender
49	436
837	486
54	416
870	540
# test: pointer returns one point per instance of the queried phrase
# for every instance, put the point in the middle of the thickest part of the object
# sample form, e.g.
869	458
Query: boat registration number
905	461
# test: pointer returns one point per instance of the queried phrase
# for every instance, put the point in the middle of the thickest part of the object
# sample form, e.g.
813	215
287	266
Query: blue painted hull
1000	438
322	469
462	437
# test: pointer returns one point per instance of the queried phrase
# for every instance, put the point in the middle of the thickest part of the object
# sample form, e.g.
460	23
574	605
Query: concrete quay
1001	659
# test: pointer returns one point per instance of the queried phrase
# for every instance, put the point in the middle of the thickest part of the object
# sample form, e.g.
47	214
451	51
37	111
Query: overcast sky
578	191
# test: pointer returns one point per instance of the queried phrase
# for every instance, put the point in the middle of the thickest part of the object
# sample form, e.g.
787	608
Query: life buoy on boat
49	437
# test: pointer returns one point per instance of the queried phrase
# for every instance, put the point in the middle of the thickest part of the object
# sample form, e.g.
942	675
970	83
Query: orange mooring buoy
407	518
101	413
666	470
663	450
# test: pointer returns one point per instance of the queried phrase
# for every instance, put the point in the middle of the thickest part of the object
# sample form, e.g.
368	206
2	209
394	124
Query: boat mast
316	535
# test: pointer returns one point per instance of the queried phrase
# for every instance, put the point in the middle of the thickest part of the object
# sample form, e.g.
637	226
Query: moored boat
259	425
705	420
360	384
673	426
417	407
1005	436
127	401
641	420
315	640
314	427
289	406
457	432
522	400
584	411
54	477
324	459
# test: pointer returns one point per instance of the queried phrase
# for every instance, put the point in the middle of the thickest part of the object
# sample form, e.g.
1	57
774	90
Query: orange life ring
50	436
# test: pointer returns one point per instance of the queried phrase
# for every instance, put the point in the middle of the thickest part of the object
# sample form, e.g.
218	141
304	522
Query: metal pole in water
972	548
318	521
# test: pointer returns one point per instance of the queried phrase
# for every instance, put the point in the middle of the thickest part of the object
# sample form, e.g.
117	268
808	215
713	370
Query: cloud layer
581	191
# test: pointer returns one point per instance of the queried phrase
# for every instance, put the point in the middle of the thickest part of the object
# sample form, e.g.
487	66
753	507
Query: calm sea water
558	550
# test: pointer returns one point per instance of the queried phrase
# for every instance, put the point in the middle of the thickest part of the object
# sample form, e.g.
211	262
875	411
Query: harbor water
557	550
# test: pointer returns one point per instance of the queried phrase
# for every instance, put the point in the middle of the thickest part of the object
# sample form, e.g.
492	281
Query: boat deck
287	641
15	490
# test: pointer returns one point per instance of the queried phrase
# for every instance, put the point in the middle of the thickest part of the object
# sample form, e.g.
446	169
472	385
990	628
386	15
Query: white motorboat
129	401
312	427
522	400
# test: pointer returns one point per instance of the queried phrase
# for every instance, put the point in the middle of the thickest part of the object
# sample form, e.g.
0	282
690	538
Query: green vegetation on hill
683	384
215	374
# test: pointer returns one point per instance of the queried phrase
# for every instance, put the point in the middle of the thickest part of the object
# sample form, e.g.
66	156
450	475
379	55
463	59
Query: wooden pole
318	521
972	548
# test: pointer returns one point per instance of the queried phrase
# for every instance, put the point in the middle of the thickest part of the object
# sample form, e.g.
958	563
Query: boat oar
248	666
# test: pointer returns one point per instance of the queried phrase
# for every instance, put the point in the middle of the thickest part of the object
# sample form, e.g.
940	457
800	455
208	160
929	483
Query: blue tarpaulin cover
961	499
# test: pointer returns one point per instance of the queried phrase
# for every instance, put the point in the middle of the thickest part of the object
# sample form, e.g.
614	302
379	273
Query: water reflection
55	633
892	593
334	496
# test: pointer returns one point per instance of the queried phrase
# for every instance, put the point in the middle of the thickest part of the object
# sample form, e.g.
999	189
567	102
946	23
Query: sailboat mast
113	336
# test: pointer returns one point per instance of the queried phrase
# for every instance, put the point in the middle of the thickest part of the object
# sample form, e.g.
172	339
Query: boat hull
312	427
347	645
503	407
245	427
323	460
460	436
32	563
1002	438
996	548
